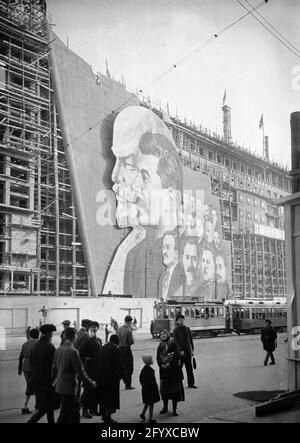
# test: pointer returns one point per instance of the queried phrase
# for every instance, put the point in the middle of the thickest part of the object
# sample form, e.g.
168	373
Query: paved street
226	365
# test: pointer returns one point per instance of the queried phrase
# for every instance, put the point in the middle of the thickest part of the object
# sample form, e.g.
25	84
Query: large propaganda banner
149	228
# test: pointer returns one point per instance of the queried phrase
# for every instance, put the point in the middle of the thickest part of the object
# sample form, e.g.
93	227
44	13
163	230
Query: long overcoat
109	376
41	358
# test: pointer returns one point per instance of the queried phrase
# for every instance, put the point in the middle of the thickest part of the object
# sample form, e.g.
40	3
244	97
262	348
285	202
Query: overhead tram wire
297	54
174	66
274	28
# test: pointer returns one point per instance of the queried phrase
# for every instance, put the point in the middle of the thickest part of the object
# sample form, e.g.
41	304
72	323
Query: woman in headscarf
170	372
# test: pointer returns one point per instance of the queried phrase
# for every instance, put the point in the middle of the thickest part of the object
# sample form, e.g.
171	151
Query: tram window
242	314
212	312
236	313
187	313
197	313
172	313
217	312
253	314
166	316
202	313
280	314
247	314
221	312
192	313
158	314
206	313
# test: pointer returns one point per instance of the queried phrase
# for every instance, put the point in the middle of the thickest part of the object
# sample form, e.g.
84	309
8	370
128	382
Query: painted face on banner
147	167
217	240
169	253
207	266
209	232
221	275
190	263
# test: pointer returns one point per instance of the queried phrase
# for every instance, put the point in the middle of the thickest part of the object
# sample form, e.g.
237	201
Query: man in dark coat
41	358
67	369
82	333
125	342
81	336
183	338
109	376
89	351
66	325
268	338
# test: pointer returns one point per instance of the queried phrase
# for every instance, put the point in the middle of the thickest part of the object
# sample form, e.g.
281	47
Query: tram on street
205	319
249	317
212	318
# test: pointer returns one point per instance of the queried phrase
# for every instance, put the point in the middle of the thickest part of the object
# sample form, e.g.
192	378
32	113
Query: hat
66	322
94	324
128	319
47	329
180	316
268	321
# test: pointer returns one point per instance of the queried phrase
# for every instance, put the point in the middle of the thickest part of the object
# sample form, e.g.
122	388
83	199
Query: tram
205	319
212	318
249	317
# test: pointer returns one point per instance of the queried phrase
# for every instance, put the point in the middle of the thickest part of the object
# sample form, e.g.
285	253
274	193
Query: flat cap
66	322
47	329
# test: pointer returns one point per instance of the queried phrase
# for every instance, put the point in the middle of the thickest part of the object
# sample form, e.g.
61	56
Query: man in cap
89	352
183	338
125	342
268	338
41	358
67	368
66	325
109	374
82	333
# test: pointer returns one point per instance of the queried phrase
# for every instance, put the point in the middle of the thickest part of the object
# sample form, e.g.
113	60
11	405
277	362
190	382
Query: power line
269	30
179	62
273	27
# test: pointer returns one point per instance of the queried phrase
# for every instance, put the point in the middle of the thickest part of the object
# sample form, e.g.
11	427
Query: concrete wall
16	313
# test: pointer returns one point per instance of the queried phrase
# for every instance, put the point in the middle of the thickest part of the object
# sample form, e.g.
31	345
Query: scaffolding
40	247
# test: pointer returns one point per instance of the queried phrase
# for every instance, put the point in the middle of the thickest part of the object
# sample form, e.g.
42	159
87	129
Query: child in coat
150	393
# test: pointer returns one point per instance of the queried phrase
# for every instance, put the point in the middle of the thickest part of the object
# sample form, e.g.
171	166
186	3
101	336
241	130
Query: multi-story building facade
248	187
41	246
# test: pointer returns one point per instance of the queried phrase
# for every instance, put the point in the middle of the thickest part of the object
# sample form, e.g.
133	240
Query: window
235	165
243	169
248	200
219	159
201	152
241	197
227	162
210	155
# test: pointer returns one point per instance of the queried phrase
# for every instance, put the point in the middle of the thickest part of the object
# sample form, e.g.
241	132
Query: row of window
258	314
271	177
190	312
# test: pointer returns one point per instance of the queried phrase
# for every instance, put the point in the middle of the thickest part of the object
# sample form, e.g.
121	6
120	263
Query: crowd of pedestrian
83	374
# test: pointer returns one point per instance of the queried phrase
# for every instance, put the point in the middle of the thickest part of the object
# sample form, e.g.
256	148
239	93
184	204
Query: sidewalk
247	415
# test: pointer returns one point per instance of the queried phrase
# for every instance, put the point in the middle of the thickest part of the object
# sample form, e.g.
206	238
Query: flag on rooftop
261	122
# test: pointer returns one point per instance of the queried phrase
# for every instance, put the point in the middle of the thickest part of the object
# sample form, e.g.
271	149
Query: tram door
228	318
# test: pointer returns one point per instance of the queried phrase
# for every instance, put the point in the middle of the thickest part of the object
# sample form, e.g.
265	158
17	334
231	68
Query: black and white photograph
149	214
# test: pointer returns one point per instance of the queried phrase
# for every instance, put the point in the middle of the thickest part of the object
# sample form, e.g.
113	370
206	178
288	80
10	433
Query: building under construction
47	246
40	248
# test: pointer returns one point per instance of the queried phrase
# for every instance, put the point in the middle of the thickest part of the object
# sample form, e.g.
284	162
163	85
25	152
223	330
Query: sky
141	39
